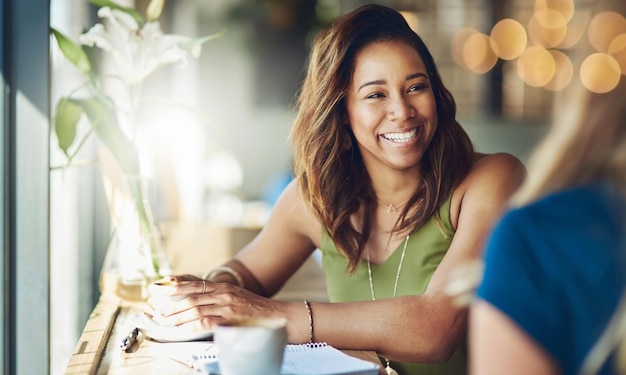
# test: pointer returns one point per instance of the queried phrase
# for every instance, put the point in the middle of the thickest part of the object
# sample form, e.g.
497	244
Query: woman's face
391	106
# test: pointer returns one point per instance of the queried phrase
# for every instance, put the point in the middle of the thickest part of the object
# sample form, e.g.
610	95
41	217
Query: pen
129	340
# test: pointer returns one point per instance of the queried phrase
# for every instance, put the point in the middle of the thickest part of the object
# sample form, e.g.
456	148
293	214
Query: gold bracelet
225	269
308	309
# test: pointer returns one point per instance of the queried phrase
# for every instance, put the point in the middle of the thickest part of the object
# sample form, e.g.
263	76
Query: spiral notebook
304	359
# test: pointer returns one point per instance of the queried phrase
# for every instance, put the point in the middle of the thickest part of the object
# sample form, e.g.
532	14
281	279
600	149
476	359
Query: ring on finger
203	286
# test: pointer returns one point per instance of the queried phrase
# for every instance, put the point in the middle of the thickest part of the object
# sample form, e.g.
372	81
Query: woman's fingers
179	278
223	300
202	304
187	296
207	323
196	287
204	316
164	295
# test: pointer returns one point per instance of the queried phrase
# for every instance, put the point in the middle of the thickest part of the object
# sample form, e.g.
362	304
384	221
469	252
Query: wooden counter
98	348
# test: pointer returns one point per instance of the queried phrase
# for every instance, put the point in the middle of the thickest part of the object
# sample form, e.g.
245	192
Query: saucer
157	332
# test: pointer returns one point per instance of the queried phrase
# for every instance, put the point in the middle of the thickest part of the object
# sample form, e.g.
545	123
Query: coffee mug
162	298
251	346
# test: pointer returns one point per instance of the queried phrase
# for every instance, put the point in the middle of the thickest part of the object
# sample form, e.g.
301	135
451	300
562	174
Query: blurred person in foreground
387	185
555	266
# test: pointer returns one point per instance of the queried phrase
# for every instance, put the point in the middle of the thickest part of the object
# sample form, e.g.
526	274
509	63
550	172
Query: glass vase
135	255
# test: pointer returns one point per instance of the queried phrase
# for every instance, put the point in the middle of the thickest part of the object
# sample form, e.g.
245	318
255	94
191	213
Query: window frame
24	142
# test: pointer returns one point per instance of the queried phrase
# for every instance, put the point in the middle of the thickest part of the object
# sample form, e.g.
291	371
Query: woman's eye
374	95
417	87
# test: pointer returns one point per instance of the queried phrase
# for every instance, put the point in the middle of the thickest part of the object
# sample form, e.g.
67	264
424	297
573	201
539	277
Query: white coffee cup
251	346
162	298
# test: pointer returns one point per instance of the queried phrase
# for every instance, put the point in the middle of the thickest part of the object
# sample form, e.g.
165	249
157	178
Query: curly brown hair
331	175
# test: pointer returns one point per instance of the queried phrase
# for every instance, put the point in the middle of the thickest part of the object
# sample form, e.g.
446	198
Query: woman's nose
400	109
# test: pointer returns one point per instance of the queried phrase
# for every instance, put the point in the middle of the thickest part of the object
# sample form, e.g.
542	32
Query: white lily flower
154	10
137	51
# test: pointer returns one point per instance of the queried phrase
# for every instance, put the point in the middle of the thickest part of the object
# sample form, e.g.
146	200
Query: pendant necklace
391	208
388	368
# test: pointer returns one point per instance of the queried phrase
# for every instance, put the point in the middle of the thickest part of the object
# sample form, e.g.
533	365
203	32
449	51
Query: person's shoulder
497	169
567	227
488	186
291	198
590	213
582	203
292	206
498	163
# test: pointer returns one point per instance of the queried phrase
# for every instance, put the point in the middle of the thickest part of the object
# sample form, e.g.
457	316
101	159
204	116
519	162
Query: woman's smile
402	137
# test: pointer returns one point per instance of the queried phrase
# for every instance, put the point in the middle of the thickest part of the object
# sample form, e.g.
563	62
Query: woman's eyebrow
371	83
382	81
416	75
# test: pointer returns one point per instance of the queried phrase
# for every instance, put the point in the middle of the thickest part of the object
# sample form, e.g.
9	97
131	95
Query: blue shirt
557	268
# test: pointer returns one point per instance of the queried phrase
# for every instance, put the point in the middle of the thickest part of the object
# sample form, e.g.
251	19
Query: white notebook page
323	359
305	359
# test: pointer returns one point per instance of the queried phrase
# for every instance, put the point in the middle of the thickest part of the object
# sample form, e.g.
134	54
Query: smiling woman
376	128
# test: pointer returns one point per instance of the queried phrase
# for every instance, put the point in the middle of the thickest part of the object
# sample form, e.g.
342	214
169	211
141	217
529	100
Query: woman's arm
499	346
287	240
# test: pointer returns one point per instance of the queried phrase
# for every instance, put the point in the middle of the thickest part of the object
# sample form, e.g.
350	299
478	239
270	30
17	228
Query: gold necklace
388	369
391	208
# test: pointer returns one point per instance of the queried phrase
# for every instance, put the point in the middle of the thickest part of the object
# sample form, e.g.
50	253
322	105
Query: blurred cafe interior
212	131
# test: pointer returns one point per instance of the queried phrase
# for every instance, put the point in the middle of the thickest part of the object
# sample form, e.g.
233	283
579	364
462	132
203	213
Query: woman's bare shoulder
496	167
490	183
497	163
292	208
497	175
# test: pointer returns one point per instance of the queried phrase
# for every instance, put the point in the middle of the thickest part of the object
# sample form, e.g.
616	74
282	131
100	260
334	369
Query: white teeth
401	137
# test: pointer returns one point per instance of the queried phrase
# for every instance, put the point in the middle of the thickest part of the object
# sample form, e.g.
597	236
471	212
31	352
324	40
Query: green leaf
110	4
199	41
65	122
73	52
102	115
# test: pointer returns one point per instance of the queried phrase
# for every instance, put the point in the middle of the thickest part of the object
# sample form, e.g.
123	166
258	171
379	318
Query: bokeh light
605	27
479	54
510	38
553	27
575	31
617	49
547	28
536	66
564	7
458	42
564	71
600	73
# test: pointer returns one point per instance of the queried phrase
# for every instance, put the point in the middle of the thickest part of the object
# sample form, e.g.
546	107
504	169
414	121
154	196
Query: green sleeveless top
425	250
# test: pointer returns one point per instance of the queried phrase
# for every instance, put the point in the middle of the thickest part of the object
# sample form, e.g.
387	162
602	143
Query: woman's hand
192	303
